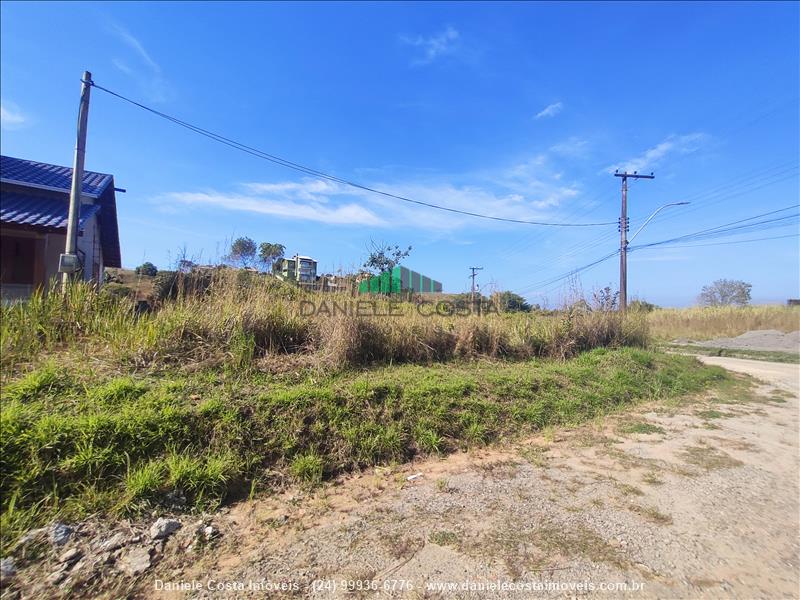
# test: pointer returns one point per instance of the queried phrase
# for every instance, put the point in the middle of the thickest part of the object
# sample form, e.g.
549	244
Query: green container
397	281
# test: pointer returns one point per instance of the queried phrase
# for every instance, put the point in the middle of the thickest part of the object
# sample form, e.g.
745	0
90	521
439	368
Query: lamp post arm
650	218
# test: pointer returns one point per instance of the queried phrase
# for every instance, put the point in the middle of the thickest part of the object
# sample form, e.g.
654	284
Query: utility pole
623	237
472	292
69	263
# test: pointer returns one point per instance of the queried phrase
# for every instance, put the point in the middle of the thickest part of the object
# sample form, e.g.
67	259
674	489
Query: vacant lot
721	321
229	394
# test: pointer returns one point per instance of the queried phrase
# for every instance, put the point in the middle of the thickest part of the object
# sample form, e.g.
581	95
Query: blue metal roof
29	172
41	212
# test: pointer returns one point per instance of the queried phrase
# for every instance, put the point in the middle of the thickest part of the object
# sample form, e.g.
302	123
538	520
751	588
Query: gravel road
697	500
768	340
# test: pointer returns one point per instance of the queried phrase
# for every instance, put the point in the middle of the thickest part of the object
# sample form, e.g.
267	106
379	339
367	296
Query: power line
725	228
310	171
548	282
719	230
762	239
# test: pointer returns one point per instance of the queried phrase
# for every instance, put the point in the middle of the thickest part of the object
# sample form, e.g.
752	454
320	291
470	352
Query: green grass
75	441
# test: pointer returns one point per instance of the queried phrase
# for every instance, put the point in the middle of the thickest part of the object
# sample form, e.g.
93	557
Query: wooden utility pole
472	292
623	237
69	263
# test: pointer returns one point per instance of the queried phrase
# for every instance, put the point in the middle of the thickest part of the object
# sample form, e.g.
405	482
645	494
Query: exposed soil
698	500
768	340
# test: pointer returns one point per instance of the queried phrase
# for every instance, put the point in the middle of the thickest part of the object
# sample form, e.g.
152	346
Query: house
34	206
302	269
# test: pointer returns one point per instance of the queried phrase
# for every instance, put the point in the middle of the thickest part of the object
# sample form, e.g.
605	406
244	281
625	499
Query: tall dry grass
702	323
239	320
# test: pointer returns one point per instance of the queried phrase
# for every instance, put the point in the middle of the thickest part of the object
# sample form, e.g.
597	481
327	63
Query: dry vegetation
700	323
241	318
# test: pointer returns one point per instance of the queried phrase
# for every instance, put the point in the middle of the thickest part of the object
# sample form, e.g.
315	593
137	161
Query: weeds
721	321
640	427
239	323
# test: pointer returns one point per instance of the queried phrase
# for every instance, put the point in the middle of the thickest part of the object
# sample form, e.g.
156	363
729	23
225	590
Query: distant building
398	280
34	206
302	269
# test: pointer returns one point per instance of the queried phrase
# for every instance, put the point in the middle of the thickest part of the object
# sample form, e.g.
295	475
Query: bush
148	269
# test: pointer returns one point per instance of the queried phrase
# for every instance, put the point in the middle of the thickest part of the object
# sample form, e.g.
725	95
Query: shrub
148	269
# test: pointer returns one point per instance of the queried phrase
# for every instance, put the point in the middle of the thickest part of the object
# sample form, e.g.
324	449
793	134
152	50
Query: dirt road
696	500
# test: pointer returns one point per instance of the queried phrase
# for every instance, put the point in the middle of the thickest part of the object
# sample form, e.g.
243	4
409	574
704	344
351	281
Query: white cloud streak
133	42
148	75
434	46
650	158
527	190
550	110
11	117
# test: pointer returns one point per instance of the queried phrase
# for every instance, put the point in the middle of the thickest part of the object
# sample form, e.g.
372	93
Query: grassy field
83	441
723	321
239	390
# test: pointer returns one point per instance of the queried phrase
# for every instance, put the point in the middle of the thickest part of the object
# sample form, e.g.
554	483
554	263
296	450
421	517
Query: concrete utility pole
623	235
472	292
69	263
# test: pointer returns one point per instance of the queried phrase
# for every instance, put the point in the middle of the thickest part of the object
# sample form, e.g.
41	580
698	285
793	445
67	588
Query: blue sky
516	110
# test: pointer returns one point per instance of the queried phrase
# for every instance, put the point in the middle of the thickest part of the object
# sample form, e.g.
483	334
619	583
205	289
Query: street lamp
650	218
623	297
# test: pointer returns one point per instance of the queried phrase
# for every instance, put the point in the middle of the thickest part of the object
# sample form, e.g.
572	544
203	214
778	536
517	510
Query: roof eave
49	188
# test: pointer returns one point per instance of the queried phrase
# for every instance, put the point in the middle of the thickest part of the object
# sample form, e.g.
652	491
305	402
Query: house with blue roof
34	206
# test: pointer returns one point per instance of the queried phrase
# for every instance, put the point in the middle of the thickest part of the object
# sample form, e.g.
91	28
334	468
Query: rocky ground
694	500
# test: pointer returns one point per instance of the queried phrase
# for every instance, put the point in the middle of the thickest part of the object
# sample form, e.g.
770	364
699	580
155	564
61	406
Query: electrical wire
310	171
762	239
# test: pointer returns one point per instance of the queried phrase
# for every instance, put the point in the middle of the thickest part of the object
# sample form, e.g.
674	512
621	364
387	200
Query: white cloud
308	200
434	46
147	74
573	147
11	117
134	43
528	190
680	144
550	110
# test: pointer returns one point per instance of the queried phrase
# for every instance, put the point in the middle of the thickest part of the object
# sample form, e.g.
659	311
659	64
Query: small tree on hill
384	257
148	269
268	253
726	292
243	252
510	302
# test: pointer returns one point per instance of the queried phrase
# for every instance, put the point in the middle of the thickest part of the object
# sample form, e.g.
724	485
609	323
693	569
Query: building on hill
397	281
301	269
34	206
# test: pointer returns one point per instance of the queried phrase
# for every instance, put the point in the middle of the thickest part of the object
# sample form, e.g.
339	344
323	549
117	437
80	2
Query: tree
726	292
185	265
510	302
384	257
243	252
148	269
268	253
